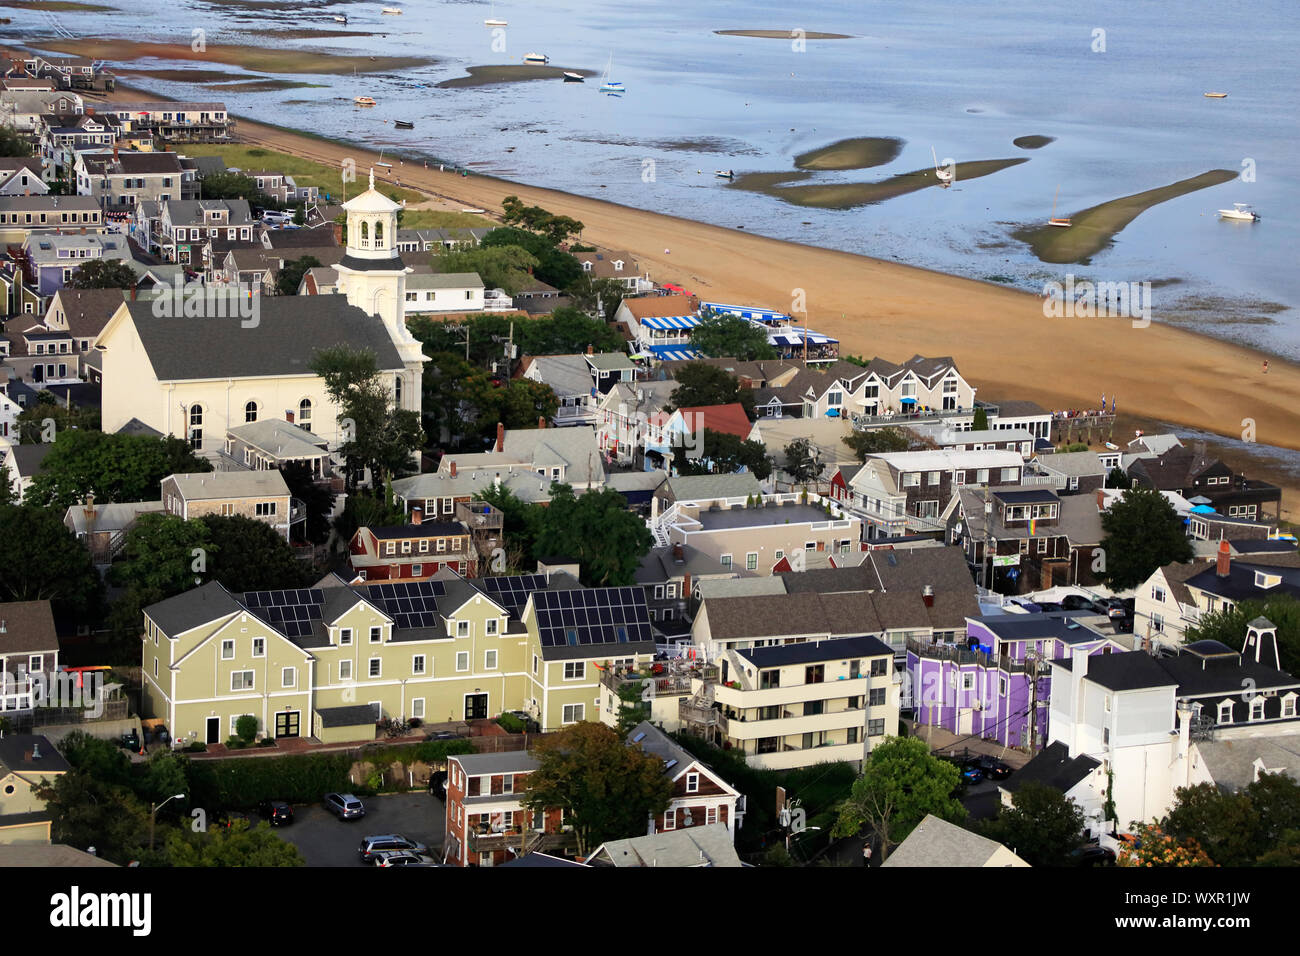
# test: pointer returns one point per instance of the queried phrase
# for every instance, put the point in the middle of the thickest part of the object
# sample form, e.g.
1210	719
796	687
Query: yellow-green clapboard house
327	662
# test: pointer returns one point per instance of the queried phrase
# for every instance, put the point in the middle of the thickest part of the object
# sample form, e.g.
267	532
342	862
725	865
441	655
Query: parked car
402	858
277	812
972	775
387	841
1079	602
344	806
1090	854
993	768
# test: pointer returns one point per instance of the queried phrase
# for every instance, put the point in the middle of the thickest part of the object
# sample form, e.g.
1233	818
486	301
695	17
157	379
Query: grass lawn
304	171
443	219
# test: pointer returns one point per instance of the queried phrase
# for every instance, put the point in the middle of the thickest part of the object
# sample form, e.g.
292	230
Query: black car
277	812
993	768
1092	855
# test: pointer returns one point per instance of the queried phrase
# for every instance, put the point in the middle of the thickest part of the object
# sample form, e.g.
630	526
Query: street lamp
153	814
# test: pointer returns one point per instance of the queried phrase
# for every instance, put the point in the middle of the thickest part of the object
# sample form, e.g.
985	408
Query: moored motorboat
391	11
536	58
573	77
364	100
403	124
1240	212
1216	96
725	173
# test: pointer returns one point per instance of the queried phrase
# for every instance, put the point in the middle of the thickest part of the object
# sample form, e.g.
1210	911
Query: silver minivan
344	806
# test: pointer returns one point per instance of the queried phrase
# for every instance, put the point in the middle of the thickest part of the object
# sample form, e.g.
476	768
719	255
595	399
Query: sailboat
494	21
943	174
1055	220
607	85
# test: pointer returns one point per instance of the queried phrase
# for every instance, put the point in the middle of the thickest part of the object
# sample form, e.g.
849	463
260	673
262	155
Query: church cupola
372	226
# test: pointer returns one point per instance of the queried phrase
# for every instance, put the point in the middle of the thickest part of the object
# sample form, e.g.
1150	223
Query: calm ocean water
963	78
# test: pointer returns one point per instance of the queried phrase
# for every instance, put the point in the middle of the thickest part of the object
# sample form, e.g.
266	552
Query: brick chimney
501	437
417	515
1225	560
1101	499
115	152
591	350
453	469
90	508
90	111
679	556
686	586
541	422
927	595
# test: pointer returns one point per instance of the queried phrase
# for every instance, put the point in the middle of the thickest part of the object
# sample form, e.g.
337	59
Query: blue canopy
1203	510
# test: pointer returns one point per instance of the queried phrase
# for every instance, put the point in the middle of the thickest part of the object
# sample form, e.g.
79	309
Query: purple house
988	686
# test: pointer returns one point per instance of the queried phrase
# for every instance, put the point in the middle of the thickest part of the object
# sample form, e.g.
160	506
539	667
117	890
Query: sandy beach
1000	337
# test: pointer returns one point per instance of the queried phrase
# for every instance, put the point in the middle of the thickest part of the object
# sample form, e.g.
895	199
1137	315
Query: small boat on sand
573	77
1216	96
341	19
941	173
725	173
403	124
391	11
1055	220
1240	212
364	100
536	58
494	20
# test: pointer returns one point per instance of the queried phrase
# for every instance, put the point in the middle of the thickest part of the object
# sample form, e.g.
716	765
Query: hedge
243	782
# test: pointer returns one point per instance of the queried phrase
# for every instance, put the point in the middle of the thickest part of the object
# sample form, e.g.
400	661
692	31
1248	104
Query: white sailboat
606	84
943	174
494	20
1240	212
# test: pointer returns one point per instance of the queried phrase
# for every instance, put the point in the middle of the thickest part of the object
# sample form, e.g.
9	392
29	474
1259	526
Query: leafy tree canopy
606	788
700	384
587	292
500	267
536	219
597	530
1142	533
250	555
722	453
32	421
111	467
1236	829
554	266
102	274
235	845
900	784
1157	848
228	185
290	277
1042	828
801	463
720	335
1229	627
41	560
877	441
13	143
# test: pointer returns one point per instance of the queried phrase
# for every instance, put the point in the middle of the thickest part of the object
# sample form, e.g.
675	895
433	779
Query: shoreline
998	336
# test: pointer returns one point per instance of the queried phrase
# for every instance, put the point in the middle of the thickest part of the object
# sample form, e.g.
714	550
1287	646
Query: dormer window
1225	711
1257	707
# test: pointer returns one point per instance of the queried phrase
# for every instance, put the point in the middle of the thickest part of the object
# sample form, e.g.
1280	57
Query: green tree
606	788
565	331
536	219
86	811
1229	626
368	508
1224	825
246	728
235	845
102	274
111	467
1142	533
597	530
383	437
228	185
801	463
500	267
700	384
159	557
729	336
554	266
101	759
877	441
981	420
900	784
14	143
588	292
41	560
316	497
300	214
32	420
1042	828
1118	478
721	453
520	521
250	555
165	775
1285	853
290	277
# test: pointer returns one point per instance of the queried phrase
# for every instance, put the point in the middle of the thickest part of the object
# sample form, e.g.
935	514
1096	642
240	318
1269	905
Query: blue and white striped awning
670	321
766	316
674	353
794	338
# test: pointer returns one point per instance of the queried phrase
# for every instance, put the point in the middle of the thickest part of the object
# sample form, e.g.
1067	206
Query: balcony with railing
486	839
921	416
958	654
668	678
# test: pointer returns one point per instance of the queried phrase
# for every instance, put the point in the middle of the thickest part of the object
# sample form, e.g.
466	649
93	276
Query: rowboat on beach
391	11
1055	220
573	77
941	173
364	100
341	19
725	173
403	124
1216	96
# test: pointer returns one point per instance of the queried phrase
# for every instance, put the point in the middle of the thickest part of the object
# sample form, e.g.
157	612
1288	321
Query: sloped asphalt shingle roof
290	330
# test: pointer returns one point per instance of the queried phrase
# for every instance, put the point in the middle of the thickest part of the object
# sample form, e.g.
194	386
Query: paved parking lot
325	840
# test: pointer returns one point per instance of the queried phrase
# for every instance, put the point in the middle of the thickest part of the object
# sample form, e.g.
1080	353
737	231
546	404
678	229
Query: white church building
230	363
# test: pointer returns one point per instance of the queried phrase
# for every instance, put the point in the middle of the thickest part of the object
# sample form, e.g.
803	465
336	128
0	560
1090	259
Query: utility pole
988	542
1031	669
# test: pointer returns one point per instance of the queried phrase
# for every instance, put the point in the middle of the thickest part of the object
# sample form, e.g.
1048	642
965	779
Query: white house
444	292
